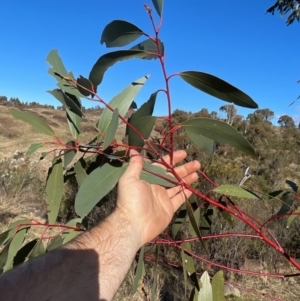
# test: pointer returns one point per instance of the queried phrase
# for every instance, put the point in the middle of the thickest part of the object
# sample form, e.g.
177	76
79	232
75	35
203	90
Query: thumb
135	165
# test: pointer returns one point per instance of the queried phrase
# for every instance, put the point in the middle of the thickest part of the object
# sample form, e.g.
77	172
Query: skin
93	266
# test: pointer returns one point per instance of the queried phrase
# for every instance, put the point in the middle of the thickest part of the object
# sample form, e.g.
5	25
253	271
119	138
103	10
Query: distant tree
267	114
291	7
230	111
214	114
286	121
203	113
15	102
3	99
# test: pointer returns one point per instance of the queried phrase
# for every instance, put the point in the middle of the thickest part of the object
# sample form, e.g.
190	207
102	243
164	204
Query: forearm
91	267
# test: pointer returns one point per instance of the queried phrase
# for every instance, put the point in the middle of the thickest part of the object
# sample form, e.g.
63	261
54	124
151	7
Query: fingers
191	178
135	166
177	156
187	168
180	198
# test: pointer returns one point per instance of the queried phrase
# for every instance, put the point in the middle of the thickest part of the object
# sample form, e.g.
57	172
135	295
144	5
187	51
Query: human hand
148	207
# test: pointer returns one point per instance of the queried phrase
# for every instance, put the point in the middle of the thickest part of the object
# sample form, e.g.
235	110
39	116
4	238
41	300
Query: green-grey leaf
4	237
14	247
23	252
38	250
217	284
194	223
58	69
70	235
218	131
55	243
112	129
196	214
140	271
206	144
96	186
108	60
35	121
158	4
144	126
145	110
292	217
292	184
206	289
234	190
3	257
150	47
54	190
69	154
151	173
180	218
122	101
80	172
70	104
84	86
33	148
188	263
218	88
286	207
120	33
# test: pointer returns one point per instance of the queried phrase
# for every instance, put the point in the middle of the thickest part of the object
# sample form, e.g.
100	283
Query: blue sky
234	40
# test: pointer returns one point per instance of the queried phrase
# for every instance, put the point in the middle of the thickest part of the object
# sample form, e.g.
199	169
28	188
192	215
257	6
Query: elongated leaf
188	261
108	60
23	252
151	175
286	207
140	271
80	172
158	4
38	250
96	186
33	148
74	120
144	126
4	237
84	86
35	121
70	104
184	265
206	289
218	286
278	194
206	144
121	101
146	109
155	274
292	217
112	129
293	185
120	33
218	88
18	223
69	154
194	223
14	247
55	243
234	190
196	214
70	235
54	190
180	218
218	131
150	47
58	71
3	257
